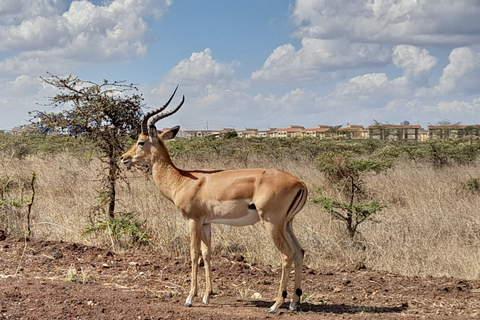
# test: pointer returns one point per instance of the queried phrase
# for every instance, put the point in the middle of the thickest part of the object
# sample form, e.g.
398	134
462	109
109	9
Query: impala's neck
165	174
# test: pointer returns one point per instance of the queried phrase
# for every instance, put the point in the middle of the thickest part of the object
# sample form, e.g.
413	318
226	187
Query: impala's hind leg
277	233
206	254
299	253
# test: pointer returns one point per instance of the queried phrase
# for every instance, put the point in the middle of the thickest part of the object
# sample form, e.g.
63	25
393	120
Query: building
353	132
423	135
453	131
322	132
248	133
290	132
394	132
402	132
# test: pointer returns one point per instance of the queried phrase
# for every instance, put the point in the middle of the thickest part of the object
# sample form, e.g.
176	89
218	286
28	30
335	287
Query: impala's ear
169	133
152	133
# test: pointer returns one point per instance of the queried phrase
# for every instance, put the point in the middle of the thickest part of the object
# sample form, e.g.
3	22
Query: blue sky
260	64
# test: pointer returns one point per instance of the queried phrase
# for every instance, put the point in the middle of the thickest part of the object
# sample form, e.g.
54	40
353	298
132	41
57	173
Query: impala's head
150	142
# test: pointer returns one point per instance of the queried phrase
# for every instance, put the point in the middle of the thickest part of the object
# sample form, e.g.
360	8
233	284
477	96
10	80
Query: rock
256	296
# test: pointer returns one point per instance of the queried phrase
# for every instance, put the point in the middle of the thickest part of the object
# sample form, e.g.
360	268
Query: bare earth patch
58	280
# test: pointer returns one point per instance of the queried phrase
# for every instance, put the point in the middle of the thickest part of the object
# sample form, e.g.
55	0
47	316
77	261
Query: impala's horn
166	114
145	121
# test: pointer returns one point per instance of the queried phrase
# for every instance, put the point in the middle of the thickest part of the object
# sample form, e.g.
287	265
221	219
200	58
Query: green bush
472	184
352	214
123	230
348	172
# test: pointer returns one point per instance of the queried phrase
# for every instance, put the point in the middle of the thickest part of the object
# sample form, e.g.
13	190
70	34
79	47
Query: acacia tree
347	174
106	114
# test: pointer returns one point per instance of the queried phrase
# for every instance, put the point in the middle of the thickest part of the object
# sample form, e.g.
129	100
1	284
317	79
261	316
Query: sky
252	63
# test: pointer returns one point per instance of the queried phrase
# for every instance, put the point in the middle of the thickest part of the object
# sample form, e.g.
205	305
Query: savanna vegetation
408	208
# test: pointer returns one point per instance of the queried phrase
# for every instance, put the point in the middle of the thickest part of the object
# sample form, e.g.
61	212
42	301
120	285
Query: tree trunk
112	178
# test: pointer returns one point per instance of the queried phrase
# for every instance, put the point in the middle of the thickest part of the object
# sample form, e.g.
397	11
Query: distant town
391	132
377	131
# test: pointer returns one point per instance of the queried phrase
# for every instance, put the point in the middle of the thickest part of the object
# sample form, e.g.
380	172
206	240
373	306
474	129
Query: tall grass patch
430	224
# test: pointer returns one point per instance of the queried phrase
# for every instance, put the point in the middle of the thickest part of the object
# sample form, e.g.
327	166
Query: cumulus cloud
208	84
418	111
43	31
214	94
19	96
462	74
362	87
427	22
346	35
291	104
464	107
201	67
377	49
377	87
414	60
316	55
14	12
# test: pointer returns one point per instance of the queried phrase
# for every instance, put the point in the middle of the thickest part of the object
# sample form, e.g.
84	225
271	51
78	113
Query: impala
232	197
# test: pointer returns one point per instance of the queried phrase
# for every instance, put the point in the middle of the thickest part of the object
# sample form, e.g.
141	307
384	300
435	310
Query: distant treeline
438	152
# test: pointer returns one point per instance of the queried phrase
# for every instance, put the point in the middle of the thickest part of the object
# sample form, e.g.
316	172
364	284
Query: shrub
352	214
348	173
122	229
472	184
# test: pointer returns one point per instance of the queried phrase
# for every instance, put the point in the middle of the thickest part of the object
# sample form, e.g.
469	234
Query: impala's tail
298	252
297	203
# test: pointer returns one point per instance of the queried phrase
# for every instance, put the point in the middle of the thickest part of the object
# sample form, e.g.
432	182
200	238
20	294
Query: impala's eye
141	143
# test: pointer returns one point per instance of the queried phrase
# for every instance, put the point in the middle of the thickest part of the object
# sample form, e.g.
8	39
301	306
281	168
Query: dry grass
430	226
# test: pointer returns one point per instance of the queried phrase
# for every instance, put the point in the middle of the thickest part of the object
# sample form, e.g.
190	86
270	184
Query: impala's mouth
127	163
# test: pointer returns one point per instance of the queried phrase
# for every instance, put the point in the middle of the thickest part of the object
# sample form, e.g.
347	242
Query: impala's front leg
206	254
196	231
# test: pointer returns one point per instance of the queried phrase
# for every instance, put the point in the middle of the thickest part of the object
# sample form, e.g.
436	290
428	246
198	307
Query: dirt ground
58	280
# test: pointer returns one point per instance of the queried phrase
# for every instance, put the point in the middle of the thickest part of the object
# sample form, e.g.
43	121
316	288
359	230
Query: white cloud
346	35
46	36
414	60
364	86
462	74
349	35
377	49
377	87
213	94
209	85
201	68
426	22
18	97
446	108
317	55
14	12
291	105
361	99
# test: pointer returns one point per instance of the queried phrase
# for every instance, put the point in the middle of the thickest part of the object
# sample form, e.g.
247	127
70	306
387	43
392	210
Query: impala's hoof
272	310
188	302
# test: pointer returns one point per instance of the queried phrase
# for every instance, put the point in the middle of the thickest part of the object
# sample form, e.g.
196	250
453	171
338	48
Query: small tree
230	134
105	114
347	174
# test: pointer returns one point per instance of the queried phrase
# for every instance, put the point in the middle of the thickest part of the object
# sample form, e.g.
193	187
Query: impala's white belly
232	212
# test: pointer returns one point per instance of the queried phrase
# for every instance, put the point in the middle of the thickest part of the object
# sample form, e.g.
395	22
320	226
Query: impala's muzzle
126	162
